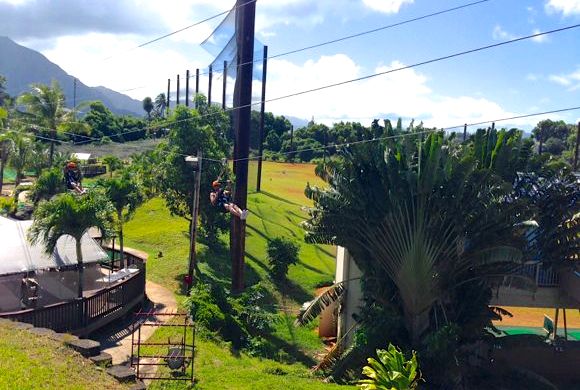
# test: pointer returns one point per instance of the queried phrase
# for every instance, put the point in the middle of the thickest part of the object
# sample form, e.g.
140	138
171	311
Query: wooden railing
83	315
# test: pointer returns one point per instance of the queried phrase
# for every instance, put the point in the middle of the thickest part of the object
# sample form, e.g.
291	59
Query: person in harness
73	177
221	198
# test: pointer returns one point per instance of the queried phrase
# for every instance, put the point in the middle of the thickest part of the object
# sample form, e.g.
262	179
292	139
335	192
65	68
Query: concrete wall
346	270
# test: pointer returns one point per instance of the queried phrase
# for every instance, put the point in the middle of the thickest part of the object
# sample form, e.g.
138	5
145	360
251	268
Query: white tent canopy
18	255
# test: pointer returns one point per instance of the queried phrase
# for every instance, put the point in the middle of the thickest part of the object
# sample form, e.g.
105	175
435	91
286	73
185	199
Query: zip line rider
73	177
221	198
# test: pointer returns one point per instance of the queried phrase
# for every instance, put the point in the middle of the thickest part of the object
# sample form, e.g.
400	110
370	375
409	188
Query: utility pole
168	90
245	19
177	97
196	86
262	113
576	148
464	132
209	87
195	163
187	88
224	84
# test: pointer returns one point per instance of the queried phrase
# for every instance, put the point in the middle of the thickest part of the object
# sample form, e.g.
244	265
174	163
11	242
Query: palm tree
113	162
148	106
71	215
21	151
126	195
46	106
5	149
160	105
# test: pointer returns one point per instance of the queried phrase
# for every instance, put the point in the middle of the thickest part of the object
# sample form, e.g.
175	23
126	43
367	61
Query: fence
544	276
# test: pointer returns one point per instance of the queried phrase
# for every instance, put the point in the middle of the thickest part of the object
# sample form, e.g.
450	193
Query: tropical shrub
282	253
48	184
391	371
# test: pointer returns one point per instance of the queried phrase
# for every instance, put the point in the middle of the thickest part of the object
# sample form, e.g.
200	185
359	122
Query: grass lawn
54	365
275	212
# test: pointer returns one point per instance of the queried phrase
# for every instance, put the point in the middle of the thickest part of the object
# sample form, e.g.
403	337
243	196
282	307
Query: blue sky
525	77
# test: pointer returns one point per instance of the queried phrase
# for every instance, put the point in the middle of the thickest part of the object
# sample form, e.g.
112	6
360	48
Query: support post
565	324
224	84
195	163
177	97
556	323
464	132
187	88
262	113
196	87
75	99
168	91
576	149
209	86
245	18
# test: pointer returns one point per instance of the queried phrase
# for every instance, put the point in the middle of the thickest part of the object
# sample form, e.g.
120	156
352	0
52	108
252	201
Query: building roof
81	156
18	255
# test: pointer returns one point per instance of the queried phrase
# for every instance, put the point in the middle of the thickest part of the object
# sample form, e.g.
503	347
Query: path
116	340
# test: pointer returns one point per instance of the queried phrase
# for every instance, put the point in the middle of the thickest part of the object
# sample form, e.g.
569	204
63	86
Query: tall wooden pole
224	84
187	88
209	86
196	166
177	97
262	112
168	91
464	132
245	18
196	86
576	149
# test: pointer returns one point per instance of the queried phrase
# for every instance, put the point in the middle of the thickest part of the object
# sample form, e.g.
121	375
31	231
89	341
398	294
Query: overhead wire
344	82
362	33
321	44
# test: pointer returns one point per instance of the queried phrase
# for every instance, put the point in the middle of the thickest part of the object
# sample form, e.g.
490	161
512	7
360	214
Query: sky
95	42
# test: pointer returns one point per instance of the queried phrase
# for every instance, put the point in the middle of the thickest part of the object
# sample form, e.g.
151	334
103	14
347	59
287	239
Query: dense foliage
282	253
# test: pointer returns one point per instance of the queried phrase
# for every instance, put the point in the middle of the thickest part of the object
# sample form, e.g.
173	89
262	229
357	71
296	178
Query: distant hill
22	66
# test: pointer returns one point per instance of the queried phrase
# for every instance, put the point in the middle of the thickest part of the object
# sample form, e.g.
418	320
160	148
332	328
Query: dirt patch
534	317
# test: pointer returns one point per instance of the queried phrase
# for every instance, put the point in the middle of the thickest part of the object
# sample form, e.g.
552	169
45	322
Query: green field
275	212
28	361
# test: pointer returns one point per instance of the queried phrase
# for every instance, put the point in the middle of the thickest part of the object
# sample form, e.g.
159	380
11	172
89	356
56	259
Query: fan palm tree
46	106
113	163
420	216
71	215
126	195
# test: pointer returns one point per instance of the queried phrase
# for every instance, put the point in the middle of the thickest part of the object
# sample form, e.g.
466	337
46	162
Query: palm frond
320	303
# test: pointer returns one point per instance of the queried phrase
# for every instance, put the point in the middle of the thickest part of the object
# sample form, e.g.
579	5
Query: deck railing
83	315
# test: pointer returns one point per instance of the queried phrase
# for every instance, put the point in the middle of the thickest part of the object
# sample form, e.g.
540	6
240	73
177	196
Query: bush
7	205
49	183
281	253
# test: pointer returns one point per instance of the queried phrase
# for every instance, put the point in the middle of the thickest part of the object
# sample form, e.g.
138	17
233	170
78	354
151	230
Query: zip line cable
328	86
341	39
181	29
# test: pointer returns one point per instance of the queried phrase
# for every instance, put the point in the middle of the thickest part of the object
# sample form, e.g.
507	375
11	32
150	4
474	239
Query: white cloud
570	80
399	94
566	7
539	38
532	77
386	6
501	35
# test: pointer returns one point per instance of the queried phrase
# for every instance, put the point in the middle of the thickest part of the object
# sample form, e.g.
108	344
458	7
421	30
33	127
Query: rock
138	386
42	331
85	347
23	325
103	359
123	374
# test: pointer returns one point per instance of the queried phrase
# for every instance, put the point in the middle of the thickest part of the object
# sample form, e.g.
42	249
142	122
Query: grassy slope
54	365
276	211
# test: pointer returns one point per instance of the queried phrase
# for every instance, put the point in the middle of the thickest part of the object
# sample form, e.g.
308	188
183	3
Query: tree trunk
2	162
121	247
80	267
52	136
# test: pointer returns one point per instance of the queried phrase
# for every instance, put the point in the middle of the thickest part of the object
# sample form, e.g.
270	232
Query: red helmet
215	184
71	164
